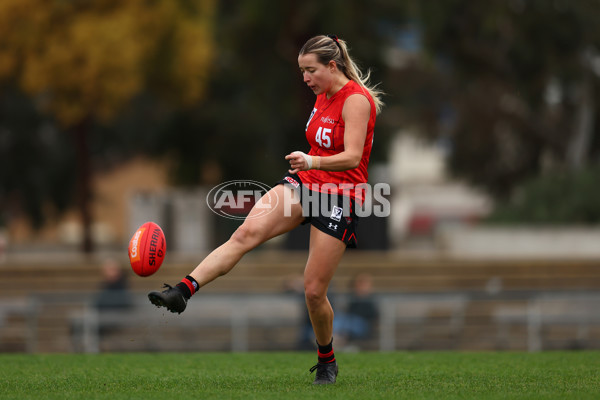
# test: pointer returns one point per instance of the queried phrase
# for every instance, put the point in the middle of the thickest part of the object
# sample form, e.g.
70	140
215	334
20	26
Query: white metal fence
235	322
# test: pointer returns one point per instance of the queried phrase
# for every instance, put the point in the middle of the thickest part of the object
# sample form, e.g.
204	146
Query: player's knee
315	295
246	237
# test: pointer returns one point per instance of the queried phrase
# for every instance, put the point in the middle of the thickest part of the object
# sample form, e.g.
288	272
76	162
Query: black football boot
326	373
172	299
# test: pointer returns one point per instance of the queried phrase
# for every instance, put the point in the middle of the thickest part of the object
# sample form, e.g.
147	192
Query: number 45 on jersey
323	137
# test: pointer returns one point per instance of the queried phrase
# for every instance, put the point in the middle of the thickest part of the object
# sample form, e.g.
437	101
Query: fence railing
530	321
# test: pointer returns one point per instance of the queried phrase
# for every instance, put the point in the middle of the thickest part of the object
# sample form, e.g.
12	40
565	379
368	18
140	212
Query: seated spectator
114	291
306	337
113	295
361	313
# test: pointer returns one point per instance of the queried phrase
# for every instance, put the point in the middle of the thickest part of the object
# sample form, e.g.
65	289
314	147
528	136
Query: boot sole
157	300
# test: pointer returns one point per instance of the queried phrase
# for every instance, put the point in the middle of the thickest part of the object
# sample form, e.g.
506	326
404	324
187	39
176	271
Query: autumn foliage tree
83	62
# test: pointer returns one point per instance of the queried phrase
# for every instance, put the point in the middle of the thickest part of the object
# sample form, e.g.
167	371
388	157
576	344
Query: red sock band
325	355
189	284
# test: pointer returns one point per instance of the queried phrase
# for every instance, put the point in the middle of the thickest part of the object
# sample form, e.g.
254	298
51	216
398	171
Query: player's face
317	76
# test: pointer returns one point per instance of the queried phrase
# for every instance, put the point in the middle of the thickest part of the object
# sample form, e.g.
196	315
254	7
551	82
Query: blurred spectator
306	337
113	295
114	292
361	315
294	285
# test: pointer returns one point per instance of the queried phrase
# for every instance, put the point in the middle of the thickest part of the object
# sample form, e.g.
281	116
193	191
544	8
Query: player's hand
298	162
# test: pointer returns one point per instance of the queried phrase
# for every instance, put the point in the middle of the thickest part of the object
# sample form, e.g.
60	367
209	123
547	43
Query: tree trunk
84	183
577	152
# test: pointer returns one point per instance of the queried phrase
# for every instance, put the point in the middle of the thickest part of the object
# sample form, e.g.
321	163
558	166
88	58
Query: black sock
325	353
188	286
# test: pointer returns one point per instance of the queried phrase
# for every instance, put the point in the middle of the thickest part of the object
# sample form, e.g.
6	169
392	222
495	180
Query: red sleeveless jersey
325	134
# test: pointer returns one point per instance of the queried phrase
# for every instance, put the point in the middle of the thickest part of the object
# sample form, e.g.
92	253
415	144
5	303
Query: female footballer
340	134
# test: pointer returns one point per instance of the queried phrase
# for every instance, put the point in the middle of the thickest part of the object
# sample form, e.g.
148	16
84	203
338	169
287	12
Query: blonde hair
331	48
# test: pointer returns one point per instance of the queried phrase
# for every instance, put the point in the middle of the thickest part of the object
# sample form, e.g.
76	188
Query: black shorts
330	213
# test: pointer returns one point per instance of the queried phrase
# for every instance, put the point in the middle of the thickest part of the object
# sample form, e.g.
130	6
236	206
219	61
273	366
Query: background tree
83	62
517	82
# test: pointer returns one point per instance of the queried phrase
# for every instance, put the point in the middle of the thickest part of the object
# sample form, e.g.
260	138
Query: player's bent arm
355	113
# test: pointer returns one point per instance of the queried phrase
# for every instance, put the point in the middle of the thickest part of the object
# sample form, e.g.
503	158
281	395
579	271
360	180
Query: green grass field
418	375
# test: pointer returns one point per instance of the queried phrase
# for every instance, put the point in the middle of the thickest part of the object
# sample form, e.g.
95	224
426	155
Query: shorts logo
336	214
292	181
332	227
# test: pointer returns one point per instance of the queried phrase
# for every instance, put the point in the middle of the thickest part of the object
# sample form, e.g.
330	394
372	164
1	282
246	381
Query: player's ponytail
328	48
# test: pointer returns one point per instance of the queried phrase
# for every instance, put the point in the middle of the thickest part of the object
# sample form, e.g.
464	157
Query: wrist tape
310	160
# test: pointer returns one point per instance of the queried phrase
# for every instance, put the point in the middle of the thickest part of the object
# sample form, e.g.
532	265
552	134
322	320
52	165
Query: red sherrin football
147	249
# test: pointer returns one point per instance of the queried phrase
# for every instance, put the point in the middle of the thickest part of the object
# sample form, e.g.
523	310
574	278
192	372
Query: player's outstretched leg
286	214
